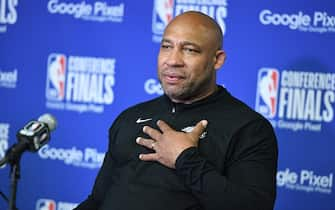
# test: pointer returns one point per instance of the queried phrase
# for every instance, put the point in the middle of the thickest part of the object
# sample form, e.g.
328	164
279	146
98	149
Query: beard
189	90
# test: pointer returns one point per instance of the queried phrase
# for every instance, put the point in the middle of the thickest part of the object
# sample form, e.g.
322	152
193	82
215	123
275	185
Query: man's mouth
173	78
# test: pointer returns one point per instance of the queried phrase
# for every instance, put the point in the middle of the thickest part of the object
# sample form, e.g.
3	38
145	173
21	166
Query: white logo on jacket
190	129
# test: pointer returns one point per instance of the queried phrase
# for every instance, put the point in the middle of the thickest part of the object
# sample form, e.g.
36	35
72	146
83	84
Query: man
196	147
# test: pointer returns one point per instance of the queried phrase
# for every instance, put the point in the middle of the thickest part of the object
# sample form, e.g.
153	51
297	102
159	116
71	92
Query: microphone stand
14	162
31	137
15	176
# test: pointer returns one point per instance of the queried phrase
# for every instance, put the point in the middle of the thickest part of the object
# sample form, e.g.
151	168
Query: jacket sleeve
101	185
104	179
248	181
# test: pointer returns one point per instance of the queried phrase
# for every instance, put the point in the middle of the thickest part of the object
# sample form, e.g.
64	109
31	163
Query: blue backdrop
86	61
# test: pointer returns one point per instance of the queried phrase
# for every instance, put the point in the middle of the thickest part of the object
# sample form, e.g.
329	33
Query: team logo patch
45	204
56	77
267	91
162	15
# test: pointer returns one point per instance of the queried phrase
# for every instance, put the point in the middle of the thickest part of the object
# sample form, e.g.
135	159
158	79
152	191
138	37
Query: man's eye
165	46
191	50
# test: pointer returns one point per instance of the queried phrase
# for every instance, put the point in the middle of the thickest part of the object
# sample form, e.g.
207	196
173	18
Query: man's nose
175	58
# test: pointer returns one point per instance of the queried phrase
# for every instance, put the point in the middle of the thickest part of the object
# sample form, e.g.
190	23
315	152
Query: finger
153	133
149	157
145	142
163	126
199	128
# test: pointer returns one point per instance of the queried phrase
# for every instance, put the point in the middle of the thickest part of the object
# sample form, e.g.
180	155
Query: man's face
187	61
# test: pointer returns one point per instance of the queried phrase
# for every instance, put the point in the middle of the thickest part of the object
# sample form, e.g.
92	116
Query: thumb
199	128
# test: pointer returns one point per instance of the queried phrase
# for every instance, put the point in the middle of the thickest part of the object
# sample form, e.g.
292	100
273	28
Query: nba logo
161	15
45	204
267	90
55	88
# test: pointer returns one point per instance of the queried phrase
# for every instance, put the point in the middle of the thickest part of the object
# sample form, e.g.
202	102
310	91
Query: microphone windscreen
49	120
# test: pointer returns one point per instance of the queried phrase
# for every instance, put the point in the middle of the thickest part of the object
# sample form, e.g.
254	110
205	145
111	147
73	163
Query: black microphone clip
31	137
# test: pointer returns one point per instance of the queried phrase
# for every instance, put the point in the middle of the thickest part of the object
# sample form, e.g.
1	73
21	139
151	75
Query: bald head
195	19
189	57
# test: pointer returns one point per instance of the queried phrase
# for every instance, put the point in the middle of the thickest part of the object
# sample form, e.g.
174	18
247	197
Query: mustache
173	73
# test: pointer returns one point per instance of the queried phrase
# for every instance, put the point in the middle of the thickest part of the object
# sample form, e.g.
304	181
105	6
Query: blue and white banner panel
84	61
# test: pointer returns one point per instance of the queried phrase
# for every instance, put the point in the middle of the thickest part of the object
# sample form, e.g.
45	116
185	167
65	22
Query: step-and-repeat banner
84	61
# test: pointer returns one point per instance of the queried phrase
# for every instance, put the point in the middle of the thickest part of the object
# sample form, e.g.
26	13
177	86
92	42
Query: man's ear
220	57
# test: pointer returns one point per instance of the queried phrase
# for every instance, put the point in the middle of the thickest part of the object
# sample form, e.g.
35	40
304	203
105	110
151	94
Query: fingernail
144	128
140	156
204	123
138	139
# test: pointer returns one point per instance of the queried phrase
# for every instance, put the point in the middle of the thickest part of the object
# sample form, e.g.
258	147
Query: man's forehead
197	35
188	22
197	25
179	42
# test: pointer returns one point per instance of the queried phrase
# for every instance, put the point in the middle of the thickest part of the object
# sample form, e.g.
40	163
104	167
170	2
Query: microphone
31	137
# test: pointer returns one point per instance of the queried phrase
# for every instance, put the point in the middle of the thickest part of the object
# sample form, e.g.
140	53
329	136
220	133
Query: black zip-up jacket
233	167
